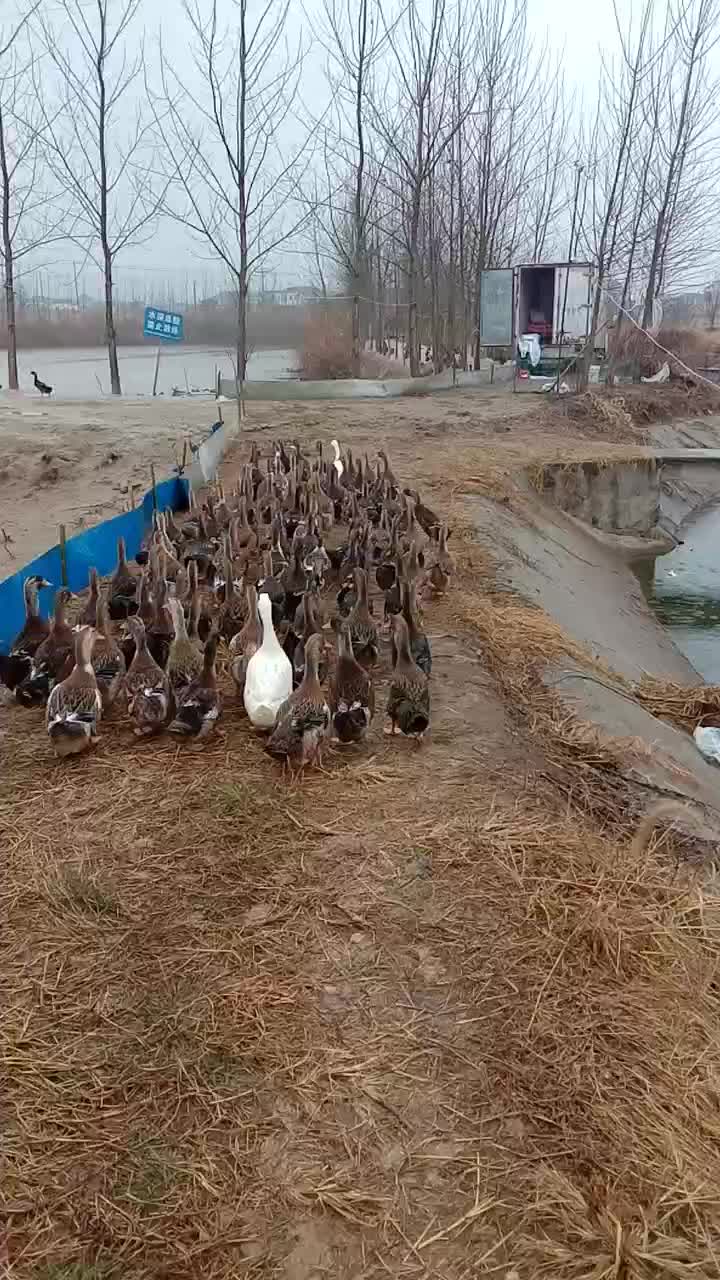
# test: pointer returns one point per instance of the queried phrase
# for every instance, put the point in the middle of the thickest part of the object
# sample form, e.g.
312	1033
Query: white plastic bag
707	741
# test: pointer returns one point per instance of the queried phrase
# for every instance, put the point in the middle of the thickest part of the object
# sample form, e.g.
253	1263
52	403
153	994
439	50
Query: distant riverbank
82	373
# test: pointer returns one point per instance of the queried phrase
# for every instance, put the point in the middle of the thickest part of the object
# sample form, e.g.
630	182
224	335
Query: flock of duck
248	570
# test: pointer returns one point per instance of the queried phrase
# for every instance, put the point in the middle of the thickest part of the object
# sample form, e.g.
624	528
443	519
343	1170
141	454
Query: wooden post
184	457
63	557
157	369
132	496
154	491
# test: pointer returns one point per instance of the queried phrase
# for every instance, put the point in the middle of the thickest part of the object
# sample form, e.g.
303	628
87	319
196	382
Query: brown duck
160	630
185	658
123	586
108	660
443	566
304	718
146	685
363	631
74	706
419	643
408	705
232	615
16	666
311	626
199	703
88	616
350	695
53	659
246	642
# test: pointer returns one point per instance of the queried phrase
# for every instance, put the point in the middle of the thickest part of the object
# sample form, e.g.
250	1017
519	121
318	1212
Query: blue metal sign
162	325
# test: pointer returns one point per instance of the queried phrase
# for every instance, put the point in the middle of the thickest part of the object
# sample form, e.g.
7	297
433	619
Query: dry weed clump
628	412
326	350
694	347
605	413
684	706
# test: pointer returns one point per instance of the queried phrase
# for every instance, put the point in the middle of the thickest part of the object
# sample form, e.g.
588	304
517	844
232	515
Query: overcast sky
173	255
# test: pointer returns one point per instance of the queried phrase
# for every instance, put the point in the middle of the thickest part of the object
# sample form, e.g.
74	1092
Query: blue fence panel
93	548
98	547
171	495
12	599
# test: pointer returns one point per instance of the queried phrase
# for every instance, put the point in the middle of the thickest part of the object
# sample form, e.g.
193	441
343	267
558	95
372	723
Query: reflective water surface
684	591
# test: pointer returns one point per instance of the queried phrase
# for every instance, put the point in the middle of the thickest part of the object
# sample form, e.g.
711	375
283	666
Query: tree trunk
397	313
413	283
380	336
241	351
110	335
356	335
241	345
8	264
413	336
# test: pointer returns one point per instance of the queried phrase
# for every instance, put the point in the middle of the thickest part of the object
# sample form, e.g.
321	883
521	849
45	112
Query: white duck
338	463
268	679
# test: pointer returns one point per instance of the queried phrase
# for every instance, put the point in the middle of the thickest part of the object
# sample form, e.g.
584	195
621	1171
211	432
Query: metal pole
567	273
63	557
157	370
514	337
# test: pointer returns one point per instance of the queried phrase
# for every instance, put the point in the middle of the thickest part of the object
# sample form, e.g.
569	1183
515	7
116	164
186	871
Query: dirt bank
74	463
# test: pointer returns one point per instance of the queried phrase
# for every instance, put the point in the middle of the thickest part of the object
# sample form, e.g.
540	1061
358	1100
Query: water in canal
685	593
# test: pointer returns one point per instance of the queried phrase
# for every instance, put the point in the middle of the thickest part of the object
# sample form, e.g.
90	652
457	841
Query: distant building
297	295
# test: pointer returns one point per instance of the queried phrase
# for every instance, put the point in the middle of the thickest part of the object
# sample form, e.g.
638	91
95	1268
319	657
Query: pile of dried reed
684	706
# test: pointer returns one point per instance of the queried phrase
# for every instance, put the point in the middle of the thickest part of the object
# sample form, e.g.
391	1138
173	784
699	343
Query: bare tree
231	180
417	127
94	138
351	39
609	167
681	206
28	221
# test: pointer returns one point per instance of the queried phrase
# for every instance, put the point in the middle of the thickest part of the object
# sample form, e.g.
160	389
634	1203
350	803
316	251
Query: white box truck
530	298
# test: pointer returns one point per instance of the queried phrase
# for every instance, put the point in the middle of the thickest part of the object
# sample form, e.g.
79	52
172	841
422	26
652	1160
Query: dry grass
326	349
683	706
627	412
348	1027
